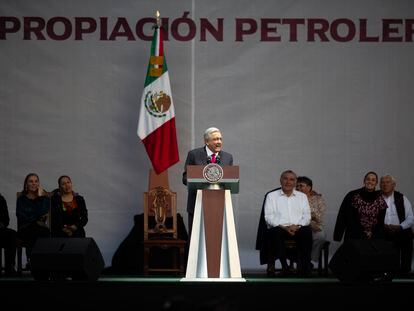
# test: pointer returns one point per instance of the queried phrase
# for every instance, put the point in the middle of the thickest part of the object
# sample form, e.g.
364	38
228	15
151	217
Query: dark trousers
30	234
277	248
8	242
403	241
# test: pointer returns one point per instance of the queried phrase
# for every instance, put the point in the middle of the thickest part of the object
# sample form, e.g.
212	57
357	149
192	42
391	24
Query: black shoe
270	272
304	273
402	275
10	273
285	273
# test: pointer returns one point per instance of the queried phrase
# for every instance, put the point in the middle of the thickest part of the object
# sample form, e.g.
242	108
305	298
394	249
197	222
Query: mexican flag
156	124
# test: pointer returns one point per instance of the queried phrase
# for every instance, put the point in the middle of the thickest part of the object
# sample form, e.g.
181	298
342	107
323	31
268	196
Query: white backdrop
329	110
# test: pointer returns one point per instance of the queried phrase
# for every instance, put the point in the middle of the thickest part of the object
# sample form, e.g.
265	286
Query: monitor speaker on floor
365	261
75	258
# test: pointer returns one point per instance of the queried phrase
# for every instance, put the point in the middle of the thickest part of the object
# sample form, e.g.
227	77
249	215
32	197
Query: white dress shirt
284	210
209	152
391	216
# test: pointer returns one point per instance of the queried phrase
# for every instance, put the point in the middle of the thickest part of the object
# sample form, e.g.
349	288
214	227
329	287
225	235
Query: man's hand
291	229
393	229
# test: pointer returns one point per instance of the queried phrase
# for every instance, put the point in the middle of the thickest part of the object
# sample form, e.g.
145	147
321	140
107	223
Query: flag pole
156	123
157	15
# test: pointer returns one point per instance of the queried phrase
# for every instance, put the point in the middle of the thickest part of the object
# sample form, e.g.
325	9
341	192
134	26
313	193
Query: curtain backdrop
324	88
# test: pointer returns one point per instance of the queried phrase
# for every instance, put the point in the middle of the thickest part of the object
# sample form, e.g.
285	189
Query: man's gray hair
209	131
394	181
288	172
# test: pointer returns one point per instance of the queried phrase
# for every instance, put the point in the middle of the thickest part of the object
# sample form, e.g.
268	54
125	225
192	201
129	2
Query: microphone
208	159
218	159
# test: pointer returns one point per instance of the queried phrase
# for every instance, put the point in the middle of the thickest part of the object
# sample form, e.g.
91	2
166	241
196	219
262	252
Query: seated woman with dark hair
32	211
69	213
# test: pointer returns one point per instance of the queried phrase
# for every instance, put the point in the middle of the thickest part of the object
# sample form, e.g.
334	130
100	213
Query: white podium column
197	265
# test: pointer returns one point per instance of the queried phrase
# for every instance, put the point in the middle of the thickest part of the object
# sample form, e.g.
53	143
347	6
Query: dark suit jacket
263	233
4	213
199	157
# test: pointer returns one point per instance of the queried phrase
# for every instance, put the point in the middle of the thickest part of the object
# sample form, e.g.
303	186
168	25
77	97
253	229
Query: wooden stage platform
168	293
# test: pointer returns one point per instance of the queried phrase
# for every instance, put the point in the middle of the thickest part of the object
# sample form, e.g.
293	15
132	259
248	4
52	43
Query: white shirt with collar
391	215
209	152
280	209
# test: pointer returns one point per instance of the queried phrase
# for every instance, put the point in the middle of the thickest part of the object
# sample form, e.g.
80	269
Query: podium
213	253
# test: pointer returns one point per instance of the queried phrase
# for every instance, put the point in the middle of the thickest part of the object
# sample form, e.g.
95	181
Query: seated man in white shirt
287	215
398	221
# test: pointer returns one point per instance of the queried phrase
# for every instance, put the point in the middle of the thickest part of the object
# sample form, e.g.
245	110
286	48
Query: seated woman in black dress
362	212
69	213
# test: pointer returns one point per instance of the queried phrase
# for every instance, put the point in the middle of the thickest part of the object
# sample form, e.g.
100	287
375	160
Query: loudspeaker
365	261
58	258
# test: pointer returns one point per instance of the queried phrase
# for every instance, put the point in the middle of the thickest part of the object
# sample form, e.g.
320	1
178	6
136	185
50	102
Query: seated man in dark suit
285	215
211	152
7	239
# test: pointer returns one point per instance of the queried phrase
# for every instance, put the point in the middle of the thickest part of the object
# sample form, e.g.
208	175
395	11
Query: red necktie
213	158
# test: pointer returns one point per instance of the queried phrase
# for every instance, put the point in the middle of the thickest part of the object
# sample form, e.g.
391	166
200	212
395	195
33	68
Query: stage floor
169	293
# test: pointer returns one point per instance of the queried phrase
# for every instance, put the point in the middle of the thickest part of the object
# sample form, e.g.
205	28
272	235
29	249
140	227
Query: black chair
292	256
20	245
1	259
323	262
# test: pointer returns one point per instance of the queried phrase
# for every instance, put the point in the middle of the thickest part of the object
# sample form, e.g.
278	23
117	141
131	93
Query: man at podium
211	152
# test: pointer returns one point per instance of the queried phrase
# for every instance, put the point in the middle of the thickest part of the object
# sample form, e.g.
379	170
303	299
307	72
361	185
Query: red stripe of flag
162	147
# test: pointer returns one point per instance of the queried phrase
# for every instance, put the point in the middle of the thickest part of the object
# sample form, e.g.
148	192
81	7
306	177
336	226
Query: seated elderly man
285	215
398	222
